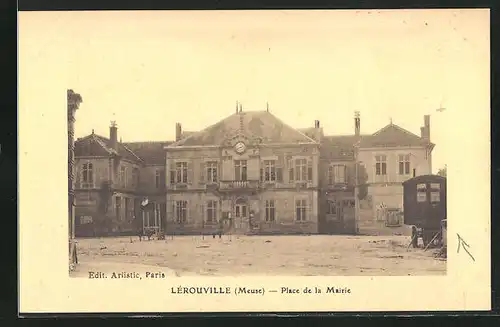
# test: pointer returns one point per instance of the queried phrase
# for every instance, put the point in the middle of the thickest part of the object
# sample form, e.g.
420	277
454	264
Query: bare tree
73	102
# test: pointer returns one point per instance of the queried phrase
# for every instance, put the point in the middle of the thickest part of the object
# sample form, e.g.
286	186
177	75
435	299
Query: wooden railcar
424	201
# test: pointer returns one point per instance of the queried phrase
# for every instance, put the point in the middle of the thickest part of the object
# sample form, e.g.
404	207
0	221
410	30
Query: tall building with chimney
249	173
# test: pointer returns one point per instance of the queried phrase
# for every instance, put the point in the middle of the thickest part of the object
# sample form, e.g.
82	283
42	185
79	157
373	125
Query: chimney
318	131
178	131
113	135
357	123
422	132
427	126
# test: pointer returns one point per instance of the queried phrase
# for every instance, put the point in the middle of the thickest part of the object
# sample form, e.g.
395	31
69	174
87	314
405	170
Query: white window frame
301	170
270	211
337	174
211	169
88	174
303	206
181	172
238	170
269	170
381	159
405	163
181	208
421	193
435	192
211	210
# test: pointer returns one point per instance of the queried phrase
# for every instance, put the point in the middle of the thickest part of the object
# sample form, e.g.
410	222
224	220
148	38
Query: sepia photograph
264	144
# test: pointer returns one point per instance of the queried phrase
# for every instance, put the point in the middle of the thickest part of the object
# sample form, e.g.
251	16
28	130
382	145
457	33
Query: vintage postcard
257	161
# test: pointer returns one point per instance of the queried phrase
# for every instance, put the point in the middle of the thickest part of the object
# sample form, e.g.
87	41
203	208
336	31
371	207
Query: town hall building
249	173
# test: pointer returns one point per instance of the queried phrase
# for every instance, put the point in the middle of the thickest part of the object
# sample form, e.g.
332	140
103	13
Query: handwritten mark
463	244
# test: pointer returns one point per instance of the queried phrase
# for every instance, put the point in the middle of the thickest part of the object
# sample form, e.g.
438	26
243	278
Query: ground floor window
152	217
331	207
86	220
181	211
270	211
301	210
211	211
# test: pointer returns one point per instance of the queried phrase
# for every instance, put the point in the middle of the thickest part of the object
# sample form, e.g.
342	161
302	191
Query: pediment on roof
392	135
256	127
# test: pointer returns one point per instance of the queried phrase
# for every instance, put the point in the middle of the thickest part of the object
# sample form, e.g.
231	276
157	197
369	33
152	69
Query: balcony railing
238	185
338	186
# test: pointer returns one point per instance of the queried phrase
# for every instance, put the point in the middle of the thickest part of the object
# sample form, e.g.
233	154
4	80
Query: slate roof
392	135
152	153
96	145
254	124
341	147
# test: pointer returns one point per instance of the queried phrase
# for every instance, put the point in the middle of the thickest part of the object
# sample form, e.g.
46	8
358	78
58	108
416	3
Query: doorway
240	212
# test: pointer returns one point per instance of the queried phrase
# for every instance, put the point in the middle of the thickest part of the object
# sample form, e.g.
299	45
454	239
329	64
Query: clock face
240	147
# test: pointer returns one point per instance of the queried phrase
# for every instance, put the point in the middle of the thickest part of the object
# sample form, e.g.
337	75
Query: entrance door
240	213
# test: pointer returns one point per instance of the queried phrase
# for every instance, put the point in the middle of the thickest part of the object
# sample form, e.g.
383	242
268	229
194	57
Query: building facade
251	171
247	174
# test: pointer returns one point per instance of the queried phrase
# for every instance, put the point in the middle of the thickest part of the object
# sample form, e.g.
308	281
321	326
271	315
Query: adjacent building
248	173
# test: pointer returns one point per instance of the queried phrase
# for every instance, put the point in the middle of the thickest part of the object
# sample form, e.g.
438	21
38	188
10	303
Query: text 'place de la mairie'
249	172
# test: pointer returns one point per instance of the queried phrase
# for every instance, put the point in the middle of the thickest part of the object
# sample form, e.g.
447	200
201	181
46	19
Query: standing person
138	227
220	228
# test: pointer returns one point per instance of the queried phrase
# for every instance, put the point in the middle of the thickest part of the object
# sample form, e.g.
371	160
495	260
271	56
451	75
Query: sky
148	70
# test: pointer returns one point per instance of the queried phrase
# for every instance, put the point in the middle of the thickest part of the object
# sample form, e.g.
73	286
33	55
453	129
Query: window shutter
219	171
279	169
261	173
163	179
171	210
291	171
190	175
309	170
188	217
172	177
202	172
279	174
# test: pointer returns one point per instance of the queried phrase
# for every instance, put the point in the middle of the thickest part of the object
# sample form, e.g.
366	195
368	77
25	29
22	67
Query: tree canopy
442	172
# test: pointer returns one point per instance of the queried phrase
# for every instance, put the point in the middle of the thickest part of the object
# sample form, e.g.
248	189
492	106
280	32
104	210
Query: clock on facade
240	147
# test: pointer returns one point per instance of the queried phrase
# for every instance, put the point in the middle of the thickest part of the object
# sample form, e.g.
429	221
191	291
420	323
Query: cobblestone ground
319	255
